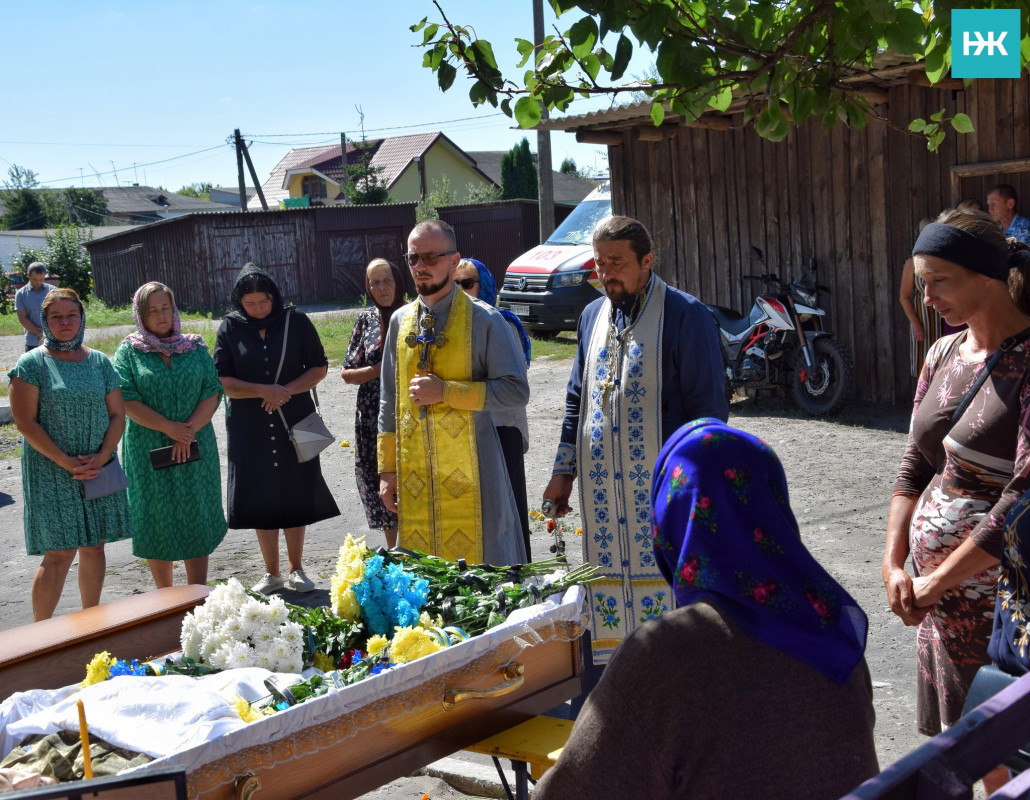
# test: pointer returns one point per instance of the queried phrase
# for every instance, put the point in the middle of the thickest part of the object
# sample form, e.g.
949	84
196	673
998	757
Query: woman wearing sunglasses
512	425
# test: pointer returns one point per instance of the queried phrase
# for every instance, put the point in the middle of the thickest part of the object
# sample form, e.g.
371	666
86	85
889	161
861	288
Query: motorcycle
782	343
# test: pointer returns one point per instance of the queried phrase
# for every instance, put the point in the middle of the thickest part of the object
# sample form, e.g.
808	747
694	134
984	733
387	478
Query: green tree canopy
568	167
518	173
784	61
365	185
197	189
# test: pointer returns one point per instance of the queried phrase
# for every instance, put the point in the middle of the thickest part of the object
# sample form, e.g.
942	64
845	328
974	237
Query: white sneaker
268	584
299	582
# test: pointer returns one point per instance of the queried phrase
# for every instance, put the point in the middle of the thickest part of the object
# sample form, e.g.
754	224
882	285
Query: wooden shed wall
850	199
315	254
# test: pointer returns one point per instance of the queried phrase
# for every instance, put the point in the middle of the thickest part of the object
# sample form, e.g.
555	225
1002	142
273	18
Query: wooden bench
534	744
55	652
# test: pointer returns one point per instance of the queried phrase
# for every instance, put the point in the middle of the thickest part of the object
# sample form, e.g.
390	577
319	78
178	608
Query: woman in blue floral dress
384	284
71	425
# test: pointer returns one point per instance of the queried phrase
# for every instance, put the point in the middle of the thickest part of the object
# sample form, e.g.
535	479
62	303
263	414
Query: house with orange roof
411	166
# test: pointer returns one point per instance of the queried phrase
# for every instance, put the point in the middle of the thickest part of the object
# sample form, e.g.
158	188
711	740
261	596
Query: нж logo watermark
985	43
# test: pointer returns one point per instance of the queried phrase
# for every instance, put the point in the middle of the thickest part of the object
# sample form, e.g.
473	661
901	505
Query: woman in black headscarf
384	284
269	489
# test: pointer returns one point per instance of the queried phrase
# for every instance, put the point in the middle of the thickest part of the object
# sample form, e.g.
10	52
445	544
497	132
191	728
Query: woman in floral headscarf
757	679
384	284
171	391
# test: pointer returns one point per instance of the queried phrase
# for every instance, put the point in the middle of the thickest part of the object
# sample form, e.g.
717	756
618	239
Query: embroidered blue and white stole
620	437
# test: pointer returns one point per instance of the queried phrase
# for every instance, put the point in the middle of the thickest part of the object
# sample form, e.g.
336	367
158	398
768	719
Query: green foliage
20	178
482	192
568	167
72	206
518	173
201	190
438	197
365	184
23	211
65	255
778	62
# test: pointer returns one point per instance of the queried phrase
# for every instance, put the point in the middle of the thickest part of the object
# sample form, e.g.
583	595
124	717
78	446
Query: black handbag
310	436
111	478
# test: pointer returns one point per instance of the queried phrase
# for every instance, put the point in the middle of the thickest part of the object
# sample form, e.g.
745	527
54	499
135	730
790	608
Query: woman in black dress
269	489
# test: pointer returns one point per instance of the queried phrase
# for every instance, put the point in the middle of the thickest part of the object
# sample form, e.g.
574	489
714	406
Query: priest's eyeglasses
429	259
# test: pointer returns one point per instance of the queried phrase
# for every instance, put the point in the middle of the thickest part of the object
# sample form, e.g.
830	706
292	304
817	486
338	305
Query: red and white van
548	287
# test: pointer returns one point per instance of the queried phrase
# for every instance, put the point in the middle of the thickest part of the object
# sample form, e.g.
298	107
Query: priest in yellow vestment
448	362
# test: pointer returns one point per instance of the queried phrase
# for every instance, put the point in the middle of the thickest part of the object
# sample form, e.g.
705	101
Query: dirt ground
840	474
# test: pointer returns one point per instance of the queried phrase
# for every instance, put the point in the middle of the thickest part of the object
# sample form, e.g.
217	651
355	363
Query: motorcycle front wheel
824	388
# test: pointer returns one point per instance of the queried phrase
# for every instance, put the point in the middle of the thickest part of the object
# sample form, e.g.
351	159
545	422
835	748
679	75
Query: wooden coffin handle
514	675
247	785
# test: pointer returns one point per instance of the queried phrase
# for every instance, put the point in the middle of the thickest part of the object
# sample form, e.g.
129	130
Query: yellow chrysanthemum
426	621
99	669
376	644
247	712
409	644
345	602
323	662
350	571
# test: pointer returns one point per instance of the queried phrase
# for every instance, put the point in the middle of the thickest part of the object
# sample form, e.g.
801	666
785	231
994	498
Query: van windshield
578	226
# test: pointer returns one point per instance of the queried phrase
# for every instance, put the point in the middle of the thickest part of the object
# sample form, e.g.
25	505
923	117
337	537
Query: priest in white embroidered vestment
648	361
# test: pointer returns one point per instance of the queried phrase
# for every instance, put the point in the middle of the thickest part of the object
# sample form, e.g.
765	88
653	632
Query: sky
105	93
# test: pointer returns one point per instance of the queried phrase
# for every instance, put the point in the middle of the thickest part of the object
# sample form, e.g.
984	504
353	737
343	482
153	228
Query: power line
148	164
374	130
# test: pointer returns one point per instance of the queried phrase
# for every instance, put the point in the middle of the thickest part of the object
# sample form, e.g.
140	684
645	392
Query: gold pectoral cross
425	341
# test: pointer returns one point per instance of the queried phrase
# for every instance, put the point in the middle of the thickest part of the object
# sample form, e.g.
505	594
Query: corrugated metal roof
147	200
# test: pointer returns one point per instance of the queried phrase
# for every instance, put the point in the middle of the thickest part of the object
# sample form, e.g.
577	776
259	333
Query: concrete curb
469	777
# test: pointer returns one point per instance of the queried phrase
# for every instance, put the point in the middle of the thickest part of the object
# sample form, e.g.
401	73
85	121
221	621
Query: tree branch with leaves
779	62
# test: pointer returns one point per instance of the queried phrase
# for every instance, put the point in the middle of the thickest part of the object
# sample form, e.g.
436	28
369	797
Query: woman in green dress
171	391
71	417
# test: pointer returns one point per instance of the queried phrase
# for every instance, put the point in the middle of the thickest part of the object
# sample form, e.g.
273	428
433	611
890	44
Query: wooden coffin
405	718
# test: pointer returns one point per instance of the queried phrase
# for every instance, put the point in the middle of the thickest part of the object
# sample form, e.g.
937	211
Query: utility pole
241	147
544	174
239	170
343	164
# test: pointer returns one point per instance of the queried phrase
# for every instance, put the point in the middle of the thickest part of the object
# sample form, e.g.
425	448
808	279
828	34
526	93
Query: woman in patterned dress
71	425
956	483
384	284
171	391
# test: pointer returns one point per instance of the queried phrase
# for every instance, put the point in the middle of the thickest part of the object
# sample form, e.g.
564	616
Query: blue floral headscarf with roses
723	530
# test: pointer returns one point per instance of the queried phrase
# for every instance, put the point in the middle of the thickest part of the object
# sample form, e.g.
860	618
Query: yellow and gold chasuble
440	510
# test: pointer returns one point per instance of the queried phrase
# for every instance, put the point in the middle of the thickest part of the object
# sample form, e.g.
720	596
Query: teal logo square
985	43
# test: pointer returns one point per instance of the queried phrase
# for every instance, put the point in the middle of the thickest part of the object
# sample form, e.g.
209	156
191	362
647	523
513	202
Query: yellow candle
87	762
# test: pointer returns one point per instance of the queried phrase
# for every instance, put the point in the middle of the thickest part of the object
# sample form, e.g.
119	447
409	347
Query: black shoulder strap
1007	345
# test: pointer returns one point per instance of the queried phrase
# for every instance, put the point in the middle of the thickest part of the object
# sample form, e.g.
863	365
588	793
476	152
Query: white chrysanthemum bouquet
233	630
